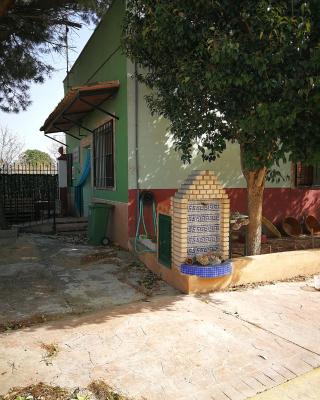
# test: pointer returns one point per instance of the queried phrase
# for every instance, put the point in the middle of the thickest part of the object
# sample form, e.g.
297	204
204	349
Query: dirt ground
46	277
275	245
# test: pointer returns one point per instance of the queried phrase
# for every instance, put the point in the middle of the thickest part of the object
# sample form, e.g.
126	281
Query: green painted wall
102	60
160	166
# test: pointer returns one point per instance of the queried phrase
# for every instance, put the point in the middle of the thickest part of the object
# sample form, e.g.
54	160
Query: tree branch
62	21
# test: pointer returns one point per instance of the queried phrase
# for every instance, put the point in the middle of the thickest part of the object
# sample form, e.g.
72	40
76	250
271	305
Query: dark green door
164	240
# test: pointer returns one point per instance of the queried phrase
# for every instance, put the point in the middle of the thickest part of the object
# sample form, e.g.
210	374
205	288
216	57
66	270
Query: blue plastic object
85	171
78	187
208	271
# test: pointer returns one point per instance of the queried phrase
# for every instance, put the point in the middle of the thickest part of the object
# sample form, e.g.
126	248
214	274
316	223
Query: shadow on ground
45	277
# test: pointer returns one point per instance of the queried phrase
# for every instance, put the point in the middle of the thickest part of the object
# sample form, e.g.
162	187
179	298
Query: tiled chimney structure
200	218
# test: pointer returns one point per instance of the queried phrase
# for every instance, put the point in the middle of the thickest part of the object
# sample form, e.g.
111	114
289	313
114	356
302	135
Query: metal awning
77	103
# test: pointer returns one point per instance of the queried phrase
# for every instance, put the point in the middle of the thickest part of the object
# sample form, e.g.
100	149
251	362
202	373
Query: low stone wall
276	266
245	270
263	268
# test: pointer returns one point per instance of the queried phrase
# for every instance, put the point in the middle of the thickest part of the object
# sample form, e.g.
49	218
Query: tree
35	157
10	146
29	30
224	71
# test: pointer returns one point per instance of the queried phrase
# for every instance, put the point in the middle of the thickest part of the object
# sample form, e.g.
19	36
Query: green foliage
25	397
243	71
34	157
29	30
80	397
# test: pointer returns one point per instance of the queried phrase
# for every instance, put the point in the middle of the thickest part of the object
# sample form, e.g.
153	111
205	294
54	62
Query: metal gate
28	193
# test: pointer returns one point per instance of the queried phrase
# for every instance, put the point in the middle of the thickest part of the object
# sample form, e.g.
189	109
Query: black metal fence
28	193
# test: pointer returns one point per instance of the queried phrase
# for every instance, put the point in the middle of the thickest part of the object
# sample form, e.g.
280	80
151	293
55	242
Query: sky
26	124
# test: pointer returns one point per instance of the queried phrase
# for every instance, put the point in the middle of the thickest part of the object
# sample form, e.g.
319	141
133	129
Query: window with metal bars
307	175
103	156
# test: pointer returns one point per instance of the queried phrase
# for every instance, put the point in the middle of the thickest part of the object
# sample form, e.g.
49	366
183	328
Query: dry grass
40	391
20	324
102	391
51	349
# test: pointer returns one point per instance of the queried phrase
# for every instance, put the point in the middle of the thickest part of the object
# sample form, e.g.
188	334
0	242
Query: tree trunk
255	188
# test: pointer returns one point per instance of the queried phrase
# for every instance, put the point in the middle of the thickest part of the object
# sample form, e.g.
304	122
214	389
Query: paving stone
216	394
312	359
286	309
286	373
243	388
264	379
168	348
253	383
231	392
275	376
298	366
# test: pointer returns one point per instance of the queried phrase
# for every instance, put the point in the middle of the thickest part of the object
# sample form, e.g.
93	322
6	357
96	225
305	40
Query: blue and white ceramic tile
203	227
199	250
198	207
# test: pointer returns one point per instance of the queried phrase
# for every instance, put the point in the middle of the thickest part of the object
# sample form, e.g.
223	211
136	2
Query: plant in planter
210	258
208	265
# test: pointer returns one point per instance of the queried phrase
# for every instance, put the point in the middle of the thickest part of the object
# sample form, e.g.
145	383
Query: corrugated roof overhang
78	102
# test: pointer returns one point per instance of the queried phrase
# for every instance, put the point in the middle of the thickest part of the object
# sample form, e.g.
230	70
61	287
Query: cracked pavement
219	346
49	277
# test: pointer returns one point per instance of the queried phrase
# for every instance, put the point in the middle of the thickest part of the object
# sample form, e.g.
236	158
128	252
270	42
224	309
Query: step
73	220
71	233
80	226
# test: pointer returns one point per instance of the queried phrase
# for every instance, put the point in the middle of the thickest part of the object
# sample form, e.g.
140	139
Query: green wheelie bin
98	223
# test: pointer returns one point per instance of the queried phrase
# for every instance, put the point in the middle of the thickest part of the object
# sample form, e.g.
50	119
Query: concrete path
229	345
288	310
43	276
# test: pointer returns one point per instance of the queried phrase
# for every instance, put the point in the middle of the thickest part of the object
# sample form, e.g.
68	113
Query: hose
142	199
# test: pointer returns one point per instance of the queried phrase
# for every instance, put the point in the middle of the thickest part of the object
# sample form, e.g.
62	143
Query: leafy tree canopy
29	30
244	71
35	157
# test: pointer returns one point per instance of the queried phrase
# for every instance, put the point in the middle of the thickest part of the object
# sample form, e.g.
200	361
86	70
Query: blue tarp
78	187
85	171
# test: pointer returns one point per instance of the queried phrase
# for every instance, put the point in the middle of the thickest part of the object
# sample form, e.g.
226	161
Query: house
117	149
